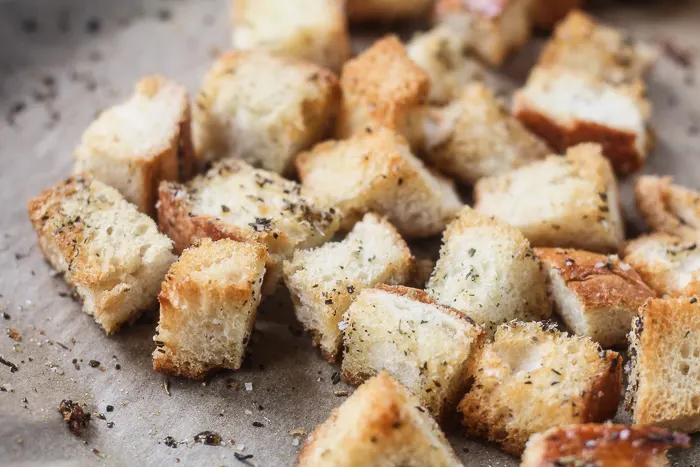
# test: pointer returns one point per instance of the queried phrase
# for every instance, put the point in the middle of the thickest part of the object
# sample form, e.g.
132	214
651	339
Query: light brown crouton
546	13
385	11
668	208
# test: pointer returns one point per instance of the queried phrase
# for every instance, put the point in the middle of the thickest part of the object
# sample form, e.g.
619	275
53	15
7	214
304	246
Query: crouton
546	14
569	201
385	11
596	295
487	270
381	87
376	171
475	136
234	200
605	445
111	254
262	108
668	264
497	27
208	304
668	208
532	378
135	145
324	281
664	388
430	348
443	55
381	424
313	30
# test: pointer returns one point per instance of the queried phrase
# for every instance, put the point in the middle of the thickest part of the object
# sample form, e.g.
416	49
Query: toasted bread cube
668	208
532	378
497	28
602	445
441	53
487	270
376	171
430	348
135	145
569	201
313	30
546	13
381	424
262	108
324	281
385	11
208	304
596	295
664	388
111	254
234	200
475	136
668	264
381	87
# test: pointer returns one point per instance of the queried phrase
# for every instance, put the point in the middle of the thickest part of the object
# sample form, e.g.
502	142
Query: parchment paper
61	62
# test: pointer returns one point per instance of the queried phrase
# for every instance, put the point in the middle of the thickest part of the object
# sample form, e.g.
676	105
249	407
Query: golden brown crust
548	13
383	11
668	208
600	403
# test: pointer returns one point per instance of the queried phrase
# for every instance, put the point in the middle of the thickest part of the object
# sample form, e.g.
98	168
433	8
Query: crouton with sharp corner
208	304
602	445
386	11
314	30
596	295
135	145
234	200
380	425
668	208
532	378
569	202
376	171
546	13
324	281
664	380
111	254
263	108
429	348
487	270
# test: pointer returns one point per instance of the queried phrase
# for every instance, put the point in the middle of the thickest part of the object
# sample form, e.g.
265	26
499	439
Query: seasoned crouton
569	201
497	27
668	264
443	54
546	13
487	270
135	145
532	378
234	200
602	445
428	347
664	379
668	208
381	87
110	253
381	424
376	171
385	11
314	30
208	304
262	108
324	281
596	295
475	136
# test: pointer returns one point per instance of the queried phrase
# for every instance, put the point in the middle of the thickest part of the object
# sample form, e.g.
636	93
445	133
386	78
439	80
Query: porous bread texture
234	200
135	145
263	108
668	208
385	11
313	30
488	271
381	425
664	379
596	295
569	201
325	280
111	254
474	136
427	347
376	171
532	378
208	304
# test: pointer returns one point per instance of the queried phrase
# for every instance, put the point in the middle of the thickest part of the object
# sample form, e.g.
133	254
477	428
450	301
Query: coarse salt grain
248	387
342	325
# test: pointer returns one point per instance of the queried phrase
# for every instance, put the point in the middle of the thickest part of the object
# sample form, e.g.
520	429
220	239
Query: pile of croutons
513	330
